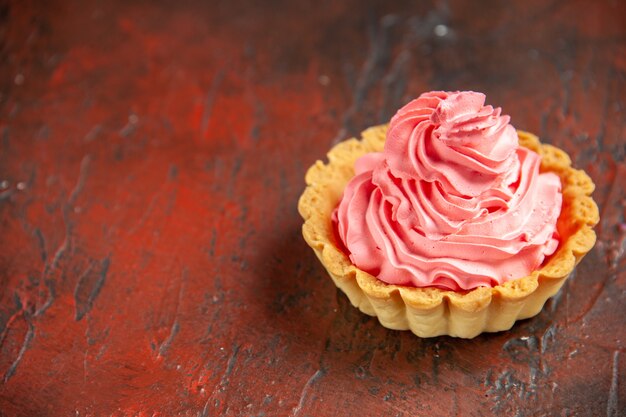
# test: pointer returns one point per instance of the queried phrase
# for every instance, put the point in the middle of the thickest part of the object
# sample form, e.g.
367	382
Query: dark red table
151	158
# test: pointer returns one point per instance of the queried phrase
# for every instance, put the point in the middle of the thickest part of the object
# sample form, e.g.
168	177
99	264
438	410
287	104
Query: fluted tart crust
429	312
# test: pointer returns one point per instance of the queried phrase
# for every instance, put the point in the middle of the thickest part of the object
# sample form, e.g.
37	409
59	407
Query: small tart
430	312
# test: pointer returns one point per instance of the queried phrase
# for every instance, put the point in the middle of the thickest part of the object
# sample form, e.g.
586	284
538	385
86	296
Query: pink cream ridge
452	202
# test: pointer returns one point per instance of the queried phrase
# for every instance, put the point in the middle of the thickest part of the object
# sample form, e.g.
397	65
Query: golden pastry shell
429	312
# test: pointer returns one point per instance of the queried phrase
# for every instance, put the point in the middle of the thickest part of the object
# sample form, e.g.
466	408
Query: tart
371	213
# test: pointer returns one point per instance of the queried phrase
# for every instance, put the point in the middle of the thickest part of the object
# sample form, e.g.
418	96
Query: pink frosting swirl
452	202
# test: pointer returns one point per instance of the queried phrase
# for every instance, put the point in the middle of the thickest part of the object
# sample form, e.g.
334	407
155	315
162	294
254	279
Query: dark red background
151	157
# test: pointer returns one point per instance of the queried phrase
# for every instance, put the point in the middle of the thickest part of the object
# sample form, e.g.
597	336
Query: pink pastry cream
452	202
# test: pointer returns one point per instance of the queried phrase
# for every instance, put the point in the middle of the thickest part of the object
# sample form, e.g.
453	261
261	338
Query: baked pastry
448	221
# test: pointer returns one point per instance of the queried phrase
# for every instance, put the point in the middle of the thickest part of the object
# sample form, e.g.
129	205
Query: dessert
448	221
